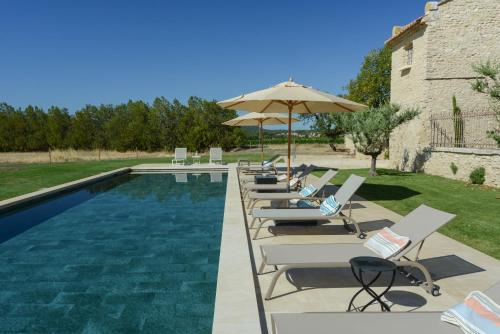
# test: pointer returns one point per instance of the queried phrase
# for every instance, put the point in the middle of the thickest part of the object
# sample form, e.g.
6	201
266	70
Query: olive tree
371	129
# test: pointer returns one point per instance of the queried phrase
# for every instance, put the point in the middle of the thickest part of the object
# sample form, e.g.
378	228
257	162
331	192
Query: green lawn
18	179
478	209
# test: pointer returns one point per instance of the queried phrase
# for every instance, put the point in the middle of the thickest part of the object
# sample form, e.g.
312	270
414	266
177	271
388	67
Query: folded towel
307	191
267	164
386	243
329	206
478	314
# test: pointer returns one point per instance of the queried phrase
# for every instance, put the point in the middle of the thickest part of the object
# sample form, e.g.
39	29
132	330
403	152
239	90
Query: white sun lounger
343	196
255	197
368	322
215	155
417	225
180	156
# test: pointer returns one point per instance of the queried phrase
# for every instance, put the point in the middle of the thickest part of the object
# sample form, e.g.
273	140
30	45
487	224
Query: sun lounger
343	196
368	322
179	156
280	186
255	197
417	225
215	155
250	177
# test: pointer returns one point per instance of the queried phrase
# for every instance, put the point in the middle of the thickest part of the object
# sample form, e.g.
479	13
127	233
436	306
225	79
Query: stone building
432	59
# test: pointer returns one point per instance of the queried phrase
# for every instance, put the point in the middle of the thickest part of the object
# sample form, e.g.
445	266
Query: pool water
132	254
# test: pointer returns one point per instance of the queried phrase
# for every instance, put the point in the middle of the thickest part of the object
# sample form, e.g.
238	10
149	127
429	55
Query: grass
19	179
477	208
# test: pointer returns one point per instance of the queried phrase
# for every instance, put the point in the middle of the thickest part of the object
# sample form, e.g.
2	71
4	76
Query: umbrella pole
261	143
290	107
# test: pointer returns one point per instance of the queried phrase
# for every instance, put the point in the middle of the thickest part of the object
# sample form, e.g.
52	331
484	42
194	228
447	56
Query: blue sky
70	53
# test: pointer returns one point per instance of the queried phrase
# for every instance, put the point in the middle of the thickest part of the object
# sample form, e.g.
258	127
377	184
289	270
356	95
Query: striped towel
267	164
478	314
307	191
386	243
329	206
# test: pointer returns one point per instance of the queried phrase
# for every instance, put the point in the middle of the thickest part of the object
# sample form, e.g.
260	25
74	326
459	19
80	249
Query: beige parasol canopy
291	97
260	119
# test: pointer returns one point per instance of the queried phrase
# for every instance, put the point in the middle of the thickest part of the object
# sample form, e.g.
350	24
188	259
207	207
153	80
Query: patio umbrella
259	119
291	97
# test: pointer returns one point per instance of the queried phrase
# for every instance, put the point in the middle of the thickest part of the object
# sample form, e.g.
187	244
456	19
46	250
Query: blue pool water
132	254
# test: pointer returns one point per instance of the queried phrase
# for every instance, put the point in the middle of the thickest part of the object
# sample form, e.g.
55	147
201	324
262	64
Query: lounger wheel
362	235
435	291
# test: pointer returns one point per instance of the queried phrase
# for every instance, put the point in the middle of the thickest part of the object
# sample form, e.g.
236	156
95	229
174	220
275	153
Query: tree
458	123
372	85
371	129
36	129
331	125
83	128
58	125
490	84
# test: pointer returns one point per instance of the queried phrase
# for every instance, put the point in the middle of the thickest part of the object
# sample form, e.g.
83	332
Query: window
409	54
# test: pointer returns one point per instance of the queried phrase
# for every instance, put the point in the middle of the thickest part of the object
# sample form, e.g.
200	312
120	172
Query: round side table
196	159
365	264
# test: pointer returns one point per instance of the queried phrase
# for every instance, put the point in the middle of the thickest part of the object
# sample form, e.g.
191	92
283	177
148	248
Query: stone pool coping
236	309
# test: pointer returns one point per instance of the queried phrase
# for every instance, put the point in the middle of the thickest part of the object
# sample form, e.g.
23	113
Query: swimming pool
135	253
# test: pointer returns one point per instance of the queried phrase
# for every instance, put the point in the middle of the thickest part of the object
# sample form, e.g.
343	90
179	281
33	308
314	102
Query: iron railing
466	130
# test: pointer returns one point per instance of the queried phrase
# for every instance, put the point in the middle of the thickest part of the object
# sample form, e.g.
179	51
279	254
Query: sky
73	53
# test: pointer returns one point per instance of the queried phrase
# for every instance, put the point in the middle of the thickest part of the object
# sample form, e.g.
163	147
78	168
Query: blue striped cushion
307	191
386	243
329	206
478	314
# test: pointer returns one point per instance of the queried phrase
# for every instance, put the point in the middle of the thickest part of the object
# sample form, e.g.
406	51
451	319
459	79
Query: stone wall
408	89
439	163
454	35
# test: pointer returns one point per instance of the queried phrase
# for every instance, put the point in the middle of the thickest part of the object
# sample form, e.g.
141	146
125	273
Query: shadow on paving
439	267
378	192
311	228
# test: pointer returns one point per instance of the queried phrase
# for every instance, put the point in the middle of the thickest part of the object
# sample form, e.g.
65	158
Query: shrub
477	175
454	168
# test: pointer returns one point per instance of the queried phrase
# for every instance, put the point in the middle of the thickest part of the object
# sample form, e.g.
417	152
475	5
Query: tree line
135	125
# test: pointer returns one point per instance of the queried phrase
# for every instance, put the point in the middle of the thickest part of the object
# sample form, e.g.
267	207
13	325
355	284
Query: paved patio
455	267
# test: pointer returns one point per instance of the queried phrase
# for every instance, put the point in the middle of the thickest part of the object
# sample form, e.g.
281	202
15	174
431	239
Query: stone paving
455	267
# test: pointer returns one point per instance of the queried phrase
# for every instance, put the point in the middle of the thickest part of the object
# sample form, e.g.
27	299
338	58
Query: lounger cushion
330	206
477	314
307	191
386	243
